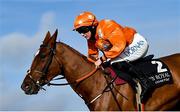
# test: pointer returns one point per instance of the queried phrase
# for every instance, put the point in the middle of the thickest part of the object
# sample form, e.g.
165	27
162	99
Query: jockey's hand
106	64
98	63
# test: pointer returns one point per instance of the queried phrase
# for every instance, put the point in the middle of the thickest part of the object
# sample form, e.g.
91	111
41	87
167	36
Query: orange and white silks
119	36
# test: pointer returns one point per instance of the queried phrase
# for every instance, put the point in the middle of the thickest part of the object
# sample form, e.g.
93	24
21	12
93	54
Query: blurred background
24	23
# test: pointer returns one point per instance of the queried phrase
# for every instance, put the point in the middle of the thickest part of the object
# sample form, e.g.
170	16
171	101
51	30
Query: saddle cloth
156	70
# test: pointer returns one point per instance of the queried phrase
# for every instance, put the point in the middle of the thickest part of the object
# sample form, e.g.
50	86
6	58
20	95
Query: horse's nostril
27	87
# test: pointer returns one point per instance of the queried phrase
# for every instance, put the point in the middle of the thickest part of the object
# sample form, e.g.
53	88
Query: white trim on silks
137	49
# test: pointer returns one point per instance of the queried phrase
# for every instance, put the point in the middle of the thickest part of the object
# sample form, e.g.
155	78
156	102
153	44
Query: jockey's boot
145	82
146	85
127	77
134	73
123	73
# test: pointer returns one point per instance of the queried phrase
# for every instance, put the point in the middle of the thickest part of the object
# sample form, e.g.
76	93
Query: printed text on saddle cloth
162	73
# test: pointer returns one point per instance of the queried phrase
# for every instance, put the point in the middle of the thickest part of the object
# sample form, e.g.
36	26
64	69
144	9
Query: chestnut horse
55	58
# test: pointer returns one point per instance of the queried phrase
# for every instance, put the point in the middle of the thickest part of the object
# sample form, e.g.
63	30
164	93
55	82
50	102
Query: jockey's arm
118	42
93	52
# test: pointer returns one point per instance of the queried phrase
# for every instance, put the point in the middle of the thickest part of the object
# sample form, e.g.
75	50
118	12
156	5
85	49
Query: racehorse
92	84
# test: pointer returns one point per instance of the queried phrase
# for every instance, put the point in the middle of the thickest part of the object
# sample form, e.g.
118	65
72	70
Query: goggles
83	29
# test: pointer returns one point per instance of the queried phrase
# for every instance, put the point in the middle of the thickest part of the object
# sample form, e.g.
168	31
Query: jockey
117	43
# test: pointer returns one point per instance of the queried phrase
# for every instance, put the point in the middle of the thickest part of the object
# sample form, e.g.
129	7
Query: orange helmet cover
85	19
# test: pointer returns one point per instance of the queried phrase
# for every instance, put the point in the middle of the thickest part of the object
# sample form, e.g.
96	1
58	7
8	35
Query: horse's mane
74	50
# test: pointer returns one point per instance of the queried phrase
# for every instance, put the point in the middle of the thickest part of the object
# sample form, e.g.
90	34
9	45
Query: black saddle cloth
147	68
155	69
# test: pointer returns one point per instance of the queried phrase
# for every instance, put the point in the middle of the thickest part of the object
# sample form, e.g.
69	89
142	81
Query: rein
108	87
76	81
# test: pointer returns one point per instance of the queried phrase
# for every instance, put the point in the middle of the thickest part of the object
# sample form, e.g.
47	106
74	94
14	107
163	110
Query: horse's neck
74	63
76	66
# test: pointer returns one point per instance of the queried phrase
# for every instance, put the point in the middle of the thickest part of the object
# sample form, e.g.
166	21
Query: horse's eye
28	71
42	55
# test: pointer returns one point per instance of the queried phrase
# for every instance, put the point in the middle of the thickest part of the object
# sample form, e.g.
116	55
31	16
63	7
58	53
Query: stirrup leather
138	94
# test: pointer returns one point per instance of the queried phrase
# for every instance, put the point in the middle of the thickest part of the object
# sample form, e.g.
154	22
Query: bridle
43	74
45	68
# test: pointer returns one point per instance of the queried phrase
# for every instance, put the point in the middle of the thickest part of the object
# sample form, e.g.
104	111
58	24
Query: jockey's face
85	31
87	35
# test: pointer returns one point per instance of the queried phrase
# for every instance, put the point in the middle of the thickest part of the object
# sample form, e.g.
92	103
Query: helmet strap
93	31
93	21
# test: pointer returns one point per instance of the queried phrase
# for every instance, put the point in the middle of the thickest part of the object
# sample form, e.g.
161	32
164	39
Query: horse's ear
46	39
52	41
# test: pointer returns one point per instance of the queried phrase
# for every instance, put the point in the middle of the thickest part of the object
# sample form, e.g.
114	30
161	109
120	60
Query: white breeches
137	49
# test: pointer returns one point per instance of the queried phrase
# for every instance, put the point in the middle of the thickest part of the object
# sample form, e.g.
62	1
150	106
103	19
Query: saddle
151	73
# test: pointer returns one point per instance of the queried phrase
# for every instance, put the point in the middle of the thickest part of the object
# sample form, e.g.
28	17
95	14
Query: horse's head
44	66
